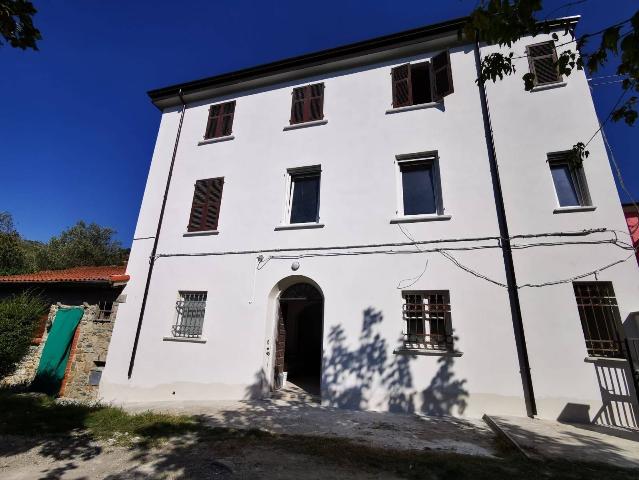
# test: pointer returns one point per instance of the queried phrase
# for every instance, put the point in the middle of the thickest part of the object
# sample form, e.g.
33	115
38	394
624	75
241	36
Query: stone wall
87	356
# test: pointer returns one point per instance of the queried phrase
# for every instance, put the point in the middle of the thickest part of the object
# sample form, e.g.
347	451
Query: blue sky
77	129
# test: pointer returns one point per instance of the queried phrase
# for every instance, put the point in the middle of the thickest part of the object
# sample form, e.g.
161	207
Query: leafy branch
16	24
504	22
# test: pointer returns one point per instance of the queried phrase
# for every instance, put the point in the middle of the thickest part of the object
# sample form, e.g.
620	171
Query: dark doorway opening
299	337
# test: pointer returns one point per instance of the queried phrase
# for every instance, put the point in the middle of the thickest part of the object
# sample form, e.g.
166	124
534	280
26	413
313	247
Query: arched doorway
298	343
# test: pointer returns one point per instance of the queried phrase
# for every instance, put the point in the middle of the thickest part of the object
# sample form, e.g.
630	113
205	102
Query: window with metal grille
542	59
205	208
105	309
569	180
423	82
600	319
304	195
220	122
308	103
190	314
427	318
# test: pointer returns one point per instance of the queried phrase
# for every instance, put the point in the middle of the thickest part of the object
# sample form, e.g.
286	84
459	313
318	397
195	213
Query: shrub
18	320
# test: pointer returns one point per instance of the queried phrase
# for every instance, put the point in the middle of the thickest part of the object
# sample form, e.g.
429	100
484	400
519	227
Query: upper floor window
428	323
569	180
420	185
423	82
189	314
308	103
600	319
542	58
304	195
205	209
220	123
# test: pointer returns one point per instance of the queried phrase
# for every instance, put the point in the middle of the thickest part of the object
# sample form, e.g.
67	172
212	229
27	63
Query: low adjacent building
98	291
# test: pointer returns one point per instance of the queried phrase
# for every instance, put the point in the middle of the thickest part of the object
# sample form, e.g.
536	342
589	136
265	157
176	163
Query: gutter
509	266
154	250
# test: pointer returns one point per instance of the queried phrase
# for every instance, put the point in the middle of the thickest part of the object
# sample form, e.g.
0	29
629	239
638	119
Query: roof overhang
388	47
348	56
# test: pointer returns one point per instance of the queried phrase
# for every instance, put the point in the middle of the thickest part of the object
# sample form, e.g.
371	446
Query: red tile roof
108	274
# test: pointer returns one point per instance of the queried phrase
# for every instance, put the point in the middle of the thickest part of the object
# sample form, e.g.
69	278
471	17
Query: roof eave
162	97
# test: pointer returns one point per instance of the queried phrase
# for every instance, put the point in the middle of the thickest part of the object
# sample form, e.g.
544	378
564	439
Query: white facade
360	192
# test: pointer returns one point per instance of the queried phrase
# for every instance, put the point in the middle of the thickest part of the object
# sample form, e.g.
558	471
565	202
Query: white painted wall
356	150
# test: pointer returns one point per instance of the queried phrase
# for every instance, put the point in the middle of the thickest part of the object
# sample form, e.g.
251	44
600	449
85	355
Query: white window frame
289	186
580	184
432	158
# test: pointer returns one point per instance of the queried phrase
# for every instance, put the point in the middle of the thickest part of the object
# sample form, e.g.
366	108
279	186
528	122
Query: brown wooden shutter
308	103
297	108
441	76
315	102
542	59
220	123
402	90
205	209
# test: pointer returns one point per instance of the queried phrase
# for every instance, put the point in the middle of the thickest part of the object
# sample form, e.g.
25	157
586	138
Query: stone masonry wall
88	354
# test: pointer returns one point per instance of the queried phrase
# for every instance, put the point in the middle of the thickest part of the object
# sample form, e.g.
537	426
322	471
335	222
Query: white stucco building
338	216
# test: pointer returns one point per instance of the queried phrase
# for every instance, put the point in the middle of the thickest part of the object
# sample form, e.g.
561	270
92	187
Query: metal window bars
600	319
428	321
190	314
105	311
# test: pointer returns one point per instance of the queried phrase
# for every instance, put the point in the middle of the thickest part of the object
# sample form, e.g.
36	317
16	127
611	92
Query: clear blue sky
77	129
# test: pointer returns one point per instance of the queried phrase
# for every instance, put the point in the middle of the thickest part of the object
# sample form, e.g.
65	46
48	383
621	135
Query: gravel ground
376	429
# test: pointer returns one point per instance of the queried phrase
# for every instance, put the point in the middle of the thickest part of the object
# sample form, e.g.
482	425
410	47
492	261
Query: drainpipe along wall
152	257
511	280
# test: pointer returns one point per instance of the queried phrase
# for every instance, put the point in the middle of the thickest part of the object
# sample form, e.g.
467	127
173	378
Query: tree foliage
82	244
504	22
16	24
18	321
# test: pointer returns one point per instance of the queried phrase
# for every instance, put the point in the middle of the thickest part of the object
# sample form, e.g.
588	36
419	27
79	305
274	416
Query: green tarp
55	354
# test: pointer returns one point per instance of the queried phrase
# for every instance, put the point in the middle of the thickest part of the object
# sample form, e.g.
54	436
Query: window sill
604	359
206	141
419	106
185	339
203	233
420	218
299	226
548	86
424	352
588	208
295	126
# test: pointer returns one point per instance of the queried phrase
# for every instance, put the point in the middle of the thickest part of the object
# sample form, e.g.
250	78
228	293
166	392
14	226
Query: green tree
16	24
12	256
504	22
18	321
82	244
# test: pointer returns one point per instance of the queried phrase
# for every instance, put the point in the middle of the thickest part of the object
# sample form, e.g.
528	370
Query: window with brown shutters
542	59
205	209
308	103
423	82
220	123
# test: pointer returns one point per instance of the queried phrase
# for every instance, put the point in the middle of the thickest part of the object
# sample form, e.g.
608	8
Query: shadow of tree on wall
351	376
